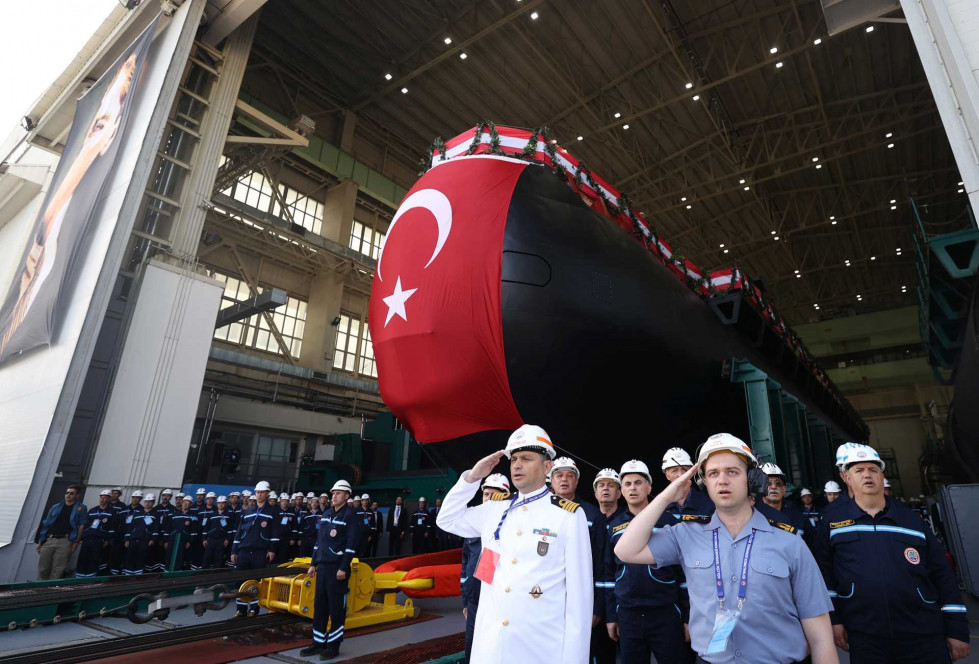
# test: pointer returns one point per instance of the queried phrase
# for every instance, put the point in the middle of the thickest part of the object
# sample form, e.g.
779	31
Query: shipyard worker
756	594
842	497
142	535
217	536
162	511
335	547
288	530
887	487
252	546
182	531
421	527
469	585
647	610
608	491
536	566
234	502
93	558
676	462
564	483
59	534
397	526
377	529
363	513
832	491
199	499
775	498
896	598
809	510
117	557
309	528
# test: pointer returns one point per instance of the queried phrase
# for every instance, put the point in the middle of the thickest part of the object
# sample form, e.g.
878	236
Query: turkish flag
435	310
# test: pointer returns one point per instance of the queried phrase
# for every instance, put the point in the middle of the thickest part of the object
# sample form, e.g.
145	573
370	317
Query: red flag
435	309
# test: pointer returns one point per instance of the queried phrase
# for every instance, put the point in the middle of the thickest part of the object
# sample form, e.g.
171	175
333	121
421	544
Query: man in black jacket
336	545
422	527
397	526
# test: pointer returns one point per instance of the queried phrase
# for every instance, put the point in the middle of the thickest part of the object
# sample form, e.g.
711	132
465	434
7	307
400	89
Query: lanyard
719	578
513	505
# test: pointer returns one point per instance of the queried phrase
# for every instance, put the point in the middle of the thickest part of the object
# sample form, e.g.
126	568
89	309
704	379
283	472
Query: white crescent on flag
435	202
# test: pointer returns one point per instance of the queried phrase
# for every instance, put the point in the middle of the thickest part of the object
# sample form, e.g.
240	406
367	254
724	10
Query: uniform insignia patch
536	592
545	532
499	495
621	526
841	524
333	533
912	556
695	517
564	503
264	524
542	548
783	526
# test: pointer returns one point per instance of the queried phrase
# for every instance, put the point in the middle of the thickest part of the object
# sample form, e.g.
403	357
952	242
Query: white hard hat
273	495
805	492
356	497
635	466
166	492
725	442
297	495
365	497
211	494
530	437
284	496
606	474
772	469
831	487
234	493
676	456
137	494
861	454
117	488
189	499
246	493
222	499
887	483
422	500
310	495
497	481
341	485
105	492
565	463
201	491
149	496
324	495
263	486
843	450
179	496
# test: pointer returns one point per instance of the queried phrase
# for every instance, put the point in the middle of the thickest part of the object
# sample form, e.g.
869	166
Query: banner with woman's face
41	289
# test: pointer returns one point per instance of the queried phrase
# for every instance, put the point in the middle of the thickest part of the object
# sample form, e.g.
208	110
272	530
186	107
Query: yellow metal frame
294	593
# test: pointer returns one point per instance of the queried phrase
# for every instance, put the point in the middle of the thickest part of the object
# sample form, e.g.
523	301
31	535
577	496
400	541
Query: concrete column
319	337
186	232
338	212
347	131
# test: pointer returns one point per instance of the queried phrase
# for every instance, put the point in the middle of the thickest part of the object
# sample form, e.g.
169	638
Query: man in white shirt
536	566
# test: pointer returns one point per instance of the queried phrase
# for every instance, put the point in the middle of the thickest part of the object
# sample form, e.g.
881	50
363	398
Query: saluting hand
484	466
676	488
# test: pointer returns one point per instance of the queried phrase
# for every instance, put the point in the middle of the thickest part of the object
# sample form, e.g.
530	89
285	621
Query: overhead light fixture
817	41
888	134
773	50
722	245
893	207
818	166
404	91
893	200
618	115
696	97
581	138
725	251
534	16
625	126
870	28
873	258
815	159
688	86
689	206
779	65
961	183
388	77
847	263
741	181
834	222
463	56
773	232
832	217
890	145
447	40
796	272
776	238
747	188
798	276
683	198
960	191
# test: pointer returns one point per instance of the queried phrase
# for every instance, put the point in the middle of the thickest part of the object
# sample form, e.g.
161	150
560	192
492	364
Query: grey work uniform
784	586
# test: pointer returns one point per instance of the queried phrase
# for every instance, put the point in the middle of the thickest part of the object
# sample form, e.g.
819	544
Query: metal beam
270	299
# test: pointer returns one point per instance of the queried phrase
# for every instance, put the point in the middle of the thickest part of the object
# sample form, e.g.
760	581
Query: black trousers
213	554
372	544
89	558
118	555
394	543
602	648
306	547
250	559
471	631
652	631
903	649
419	543
329	604
135	557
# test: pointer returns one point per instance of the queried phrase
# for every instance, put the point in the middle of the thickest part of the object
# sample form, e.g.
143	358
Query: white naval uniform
510	623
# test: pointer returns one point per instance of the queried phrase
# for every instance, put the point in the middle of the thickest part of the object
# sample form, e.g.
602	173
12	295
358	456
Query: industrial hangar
221	334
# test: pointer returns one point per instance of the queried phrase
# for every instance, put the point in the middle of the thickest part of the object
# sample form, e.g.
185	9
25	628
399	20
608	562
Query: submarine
516	286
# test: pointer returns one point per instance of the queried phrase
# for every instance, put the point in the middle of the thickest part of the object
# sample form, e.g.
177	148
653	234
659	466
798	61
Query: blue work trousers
652	631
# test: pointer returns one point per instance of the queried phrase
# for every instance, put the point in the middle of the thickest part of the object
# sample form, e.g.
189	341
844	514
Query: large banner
38	296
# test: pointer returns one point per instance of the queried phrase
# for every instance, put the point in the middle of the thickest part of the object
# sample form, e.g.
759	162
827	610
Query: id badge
489	560
724	623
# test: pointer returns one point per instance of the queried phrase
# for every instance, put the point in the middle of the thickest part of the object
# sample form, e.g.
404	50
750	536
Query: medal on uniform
333	533
536	592
542	547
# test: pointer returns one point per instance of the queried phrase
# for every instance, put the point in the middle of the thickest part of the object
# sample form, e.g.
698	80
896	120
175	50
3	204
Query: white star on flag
396	302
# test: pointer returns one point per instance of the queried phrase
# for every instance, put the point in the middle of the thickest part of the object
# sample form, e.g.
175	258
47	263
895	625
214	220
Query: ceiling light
696	97
447	40
779	65
581	138
888	134
961	183
618	115
404	91
553	141
798	276
463	56
773	50
388	77
776	238
890	145
725	251
741	181
689	206
818	166
832	217
773	232
625	126
870	28
688	86
873	258
893	200
834	222
747	188
817	41
722	245
796	272
534	16
683	198
960	191
815	159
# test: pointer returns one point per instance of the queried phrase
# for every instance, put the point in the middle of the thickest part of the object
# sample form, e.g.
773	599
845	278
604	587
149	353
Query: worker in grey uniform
756	593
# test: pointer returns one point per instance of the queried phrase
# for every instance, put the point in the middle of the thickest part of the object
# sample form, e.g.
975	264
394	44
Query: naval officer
535	565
